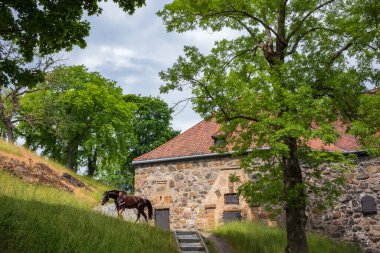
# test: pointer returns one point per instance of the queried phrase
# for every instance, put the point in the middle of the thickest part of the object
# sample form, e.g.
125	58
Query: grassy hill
44	213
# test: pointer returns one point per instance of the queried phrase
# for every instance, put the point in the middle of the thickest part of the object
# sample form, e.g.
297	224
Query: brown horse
129	202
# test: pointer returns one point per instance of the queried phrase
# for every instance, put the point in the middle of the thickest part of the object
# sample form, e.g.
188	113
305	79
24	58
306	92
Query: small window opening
231	198
219	140
232	216
368	205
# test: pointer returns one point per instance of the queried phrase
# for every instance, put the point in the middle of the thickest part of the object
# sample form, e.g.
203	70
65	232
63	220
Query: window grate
231	198
231	216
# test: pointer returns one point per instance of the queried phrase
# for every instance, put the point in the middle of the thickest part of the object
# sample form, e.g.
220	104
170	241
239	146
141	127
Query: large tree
79	118
295	68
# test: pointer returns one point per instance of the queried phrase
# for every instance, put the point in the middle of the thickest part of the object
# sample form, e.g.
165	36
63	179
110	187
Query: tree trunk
91	164
71	156
9	127
296	201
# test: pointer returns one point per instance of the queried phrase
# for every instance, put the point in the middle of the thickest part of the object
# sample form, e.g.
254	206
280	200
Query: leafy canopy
294	70
79	111
36	28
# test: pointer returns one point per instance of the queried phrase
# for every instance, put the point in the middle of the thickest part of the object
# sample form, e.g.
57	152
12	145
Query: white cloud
133	49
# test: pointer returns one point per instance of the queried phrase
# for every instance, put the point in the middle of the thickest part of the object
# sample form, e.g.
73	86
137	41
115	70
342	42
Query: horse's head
105	198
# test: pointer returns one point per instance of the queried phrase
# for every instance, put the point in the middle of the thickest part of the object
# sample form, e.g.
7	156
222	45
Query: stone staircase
190	242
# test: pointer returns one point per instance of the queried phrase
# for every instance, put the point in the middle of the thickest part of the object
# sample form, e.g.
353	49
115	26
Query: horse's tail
150	208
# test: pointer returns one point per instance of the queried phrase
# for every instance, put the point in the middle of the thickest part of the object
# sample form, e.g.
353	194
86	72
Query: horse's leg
141	210
138	215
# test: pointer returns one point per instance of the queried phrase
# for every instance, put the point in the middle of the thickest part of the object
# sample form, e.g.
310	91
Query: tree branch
340	52
224	112
248	15
292	33
237	55
245	27
302	35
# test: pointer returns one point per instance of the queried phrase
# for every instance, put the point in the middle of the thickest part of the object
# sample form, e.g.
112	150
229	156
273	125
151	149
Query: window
219	140
232	216
231	198
368	205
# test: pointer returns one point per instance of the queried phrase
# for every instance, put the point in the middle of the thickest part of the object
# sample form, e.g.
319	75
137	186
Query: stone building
188	184
190	189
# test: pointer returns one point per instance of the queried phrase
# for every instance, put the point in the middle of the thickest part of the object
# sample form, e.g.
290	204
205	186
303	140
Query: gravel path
221	245
110	210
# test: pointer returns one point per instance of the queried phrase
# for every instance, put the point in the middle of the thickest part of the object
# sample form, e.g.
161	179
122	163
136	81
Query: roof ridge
197	140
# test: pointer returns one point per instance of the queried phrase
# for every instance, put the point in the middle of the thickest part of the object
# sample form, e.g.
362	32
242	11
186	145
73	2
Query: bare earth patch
40	173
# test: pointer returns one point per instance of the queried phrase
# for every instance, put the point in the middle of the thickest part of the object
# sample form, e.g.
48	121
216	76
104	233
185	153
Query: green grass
42	219
10	148
248	237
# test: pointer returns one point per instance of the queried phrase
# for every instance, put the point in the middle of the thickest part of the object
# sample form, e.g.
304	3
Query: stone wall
193	191
346	220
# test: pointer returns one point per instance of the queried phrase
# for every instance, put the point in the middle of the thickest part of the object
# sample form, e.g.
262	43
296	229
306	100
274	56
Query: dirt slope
39	173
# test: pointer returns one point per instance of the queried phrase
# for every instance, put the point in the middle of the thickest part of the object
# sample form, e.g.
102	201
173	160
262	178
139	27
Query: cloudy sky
133	49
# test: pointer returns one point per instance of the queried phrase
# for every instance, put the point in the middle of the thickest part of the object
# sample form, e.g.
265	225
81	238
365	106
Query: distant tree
152	127
295	68
152	123
79	118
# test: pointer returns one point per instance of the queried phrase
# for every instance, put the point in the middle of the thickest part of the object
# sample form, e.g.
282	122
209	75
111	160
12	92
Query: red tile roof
198	141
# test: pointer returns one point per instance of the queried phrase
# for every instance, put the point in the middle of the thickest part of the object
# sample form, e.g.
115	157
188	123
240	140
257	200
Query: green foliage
368	128
79	117
151	126
152	123
50	26
31	29
273	240
41	219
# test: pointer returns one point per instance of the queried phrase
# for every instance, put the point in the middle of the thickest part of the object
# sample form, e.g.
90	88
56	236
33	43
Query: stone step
192	251
188	238
190	242
186	233
193	246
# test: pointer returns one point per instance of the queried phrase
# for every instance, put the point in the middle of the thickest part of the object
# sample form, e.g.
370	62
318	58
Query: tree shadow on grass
33	226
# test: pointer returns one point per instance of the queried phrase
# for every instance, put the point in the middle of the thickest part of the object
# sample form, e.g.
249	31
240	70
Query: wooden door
210	218
162	218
